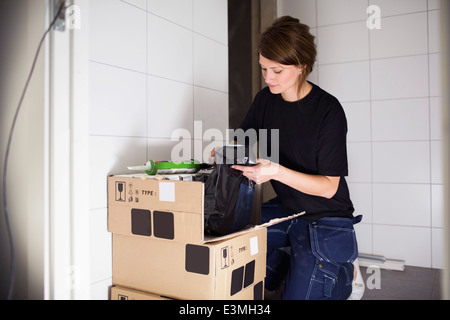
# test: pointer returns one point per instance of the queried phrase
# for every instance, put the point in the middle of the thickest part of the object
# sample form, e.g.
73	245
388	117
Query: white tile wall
117	26
138	3
360	162
349	81
435	74
401	204
169	50
401	119
434	25
337	12
388	82
437	167
210	64
155	66
211	19
101	250
300	9
400	77
401	162
359	114
170	106
211	107
112	155
112	89
436	118
411	244
364	232
397	7
335	41
177	150
437	246
437	210
410	28
173	10
361	193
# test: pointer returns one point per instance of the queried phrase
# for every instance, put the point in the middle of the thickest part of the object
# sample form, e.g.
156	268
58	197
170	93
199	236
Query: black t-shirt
312	140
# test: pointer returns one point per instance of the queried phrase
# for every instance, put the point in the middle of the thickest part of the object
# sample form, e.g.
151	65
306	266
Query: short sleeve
332	143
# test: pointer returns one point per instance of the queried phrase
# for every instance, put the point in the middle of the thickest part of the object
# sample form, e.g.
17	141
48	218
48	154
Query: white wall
155	66
388	82
22	24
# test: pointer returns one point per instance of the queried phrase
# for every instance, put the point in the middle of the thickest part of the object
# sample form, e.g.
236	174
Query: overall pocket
334	240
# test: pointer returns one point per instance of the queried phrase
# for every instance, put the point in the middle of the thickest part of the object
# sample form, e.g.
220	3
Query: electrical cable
5	166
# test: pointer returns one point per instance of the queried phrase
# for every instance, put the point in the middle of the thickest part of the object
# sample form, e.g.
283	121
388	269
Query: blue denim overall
315	258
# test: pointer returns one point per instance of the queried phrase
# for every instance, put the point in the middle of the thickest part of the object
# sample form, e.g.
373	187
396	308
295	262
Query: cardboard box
234	268
143	206
122	293
159	244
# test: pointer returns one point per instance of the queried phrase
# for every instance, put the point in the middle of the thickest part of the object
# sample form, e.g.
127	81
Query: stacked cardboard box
160	250
123	293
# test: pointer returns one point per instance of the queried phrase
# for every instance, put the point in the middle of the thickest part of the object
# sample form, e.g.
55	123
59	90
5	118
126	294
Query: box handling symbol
121	191
225	258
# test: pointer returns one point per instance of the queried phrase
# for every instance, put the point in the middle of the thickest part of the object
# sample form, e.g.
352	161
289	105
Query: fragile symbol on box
225	258
121	191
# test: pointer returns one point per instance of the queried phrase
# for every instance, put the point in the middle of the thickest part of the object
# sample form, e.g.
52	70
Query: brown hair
289	42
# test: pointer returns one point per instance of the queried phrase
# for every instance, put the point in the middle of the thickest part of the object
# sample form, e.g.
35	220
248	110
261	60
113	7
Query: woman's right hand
212	156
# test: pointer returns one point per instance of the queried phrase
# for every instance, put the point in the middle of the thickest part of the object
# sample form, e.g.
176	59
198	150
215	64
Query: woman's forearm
316	185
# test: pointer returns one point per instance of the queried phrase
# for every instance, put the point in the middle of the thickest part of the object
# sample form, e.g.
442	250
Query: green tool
168	167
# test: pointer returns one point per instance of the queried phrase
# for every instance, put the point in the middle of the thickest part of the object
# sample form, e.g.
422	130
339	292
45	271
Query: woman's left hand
264	171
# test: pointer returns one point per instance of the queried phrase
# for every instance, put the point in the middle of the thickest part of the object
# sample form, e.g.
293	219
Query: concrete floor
413	283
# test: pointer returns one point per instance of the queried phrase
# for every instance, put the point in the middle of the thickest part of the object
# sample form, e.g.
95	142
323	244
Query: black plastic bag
228	193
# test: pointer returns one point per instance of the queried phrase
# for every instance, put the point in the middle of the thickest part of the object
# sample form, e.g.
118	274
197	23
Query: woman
313	253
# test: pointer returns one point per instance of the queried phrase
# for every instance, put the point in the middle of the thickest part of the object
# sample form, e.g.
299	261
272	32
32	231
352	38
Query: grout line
146	83
401	225
132	5
429	136
101	280
98	208
370	59
118	67
394	183
203	87
364	20
157	76
389	99
130	137
173	22
371	134
394	141
193	77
